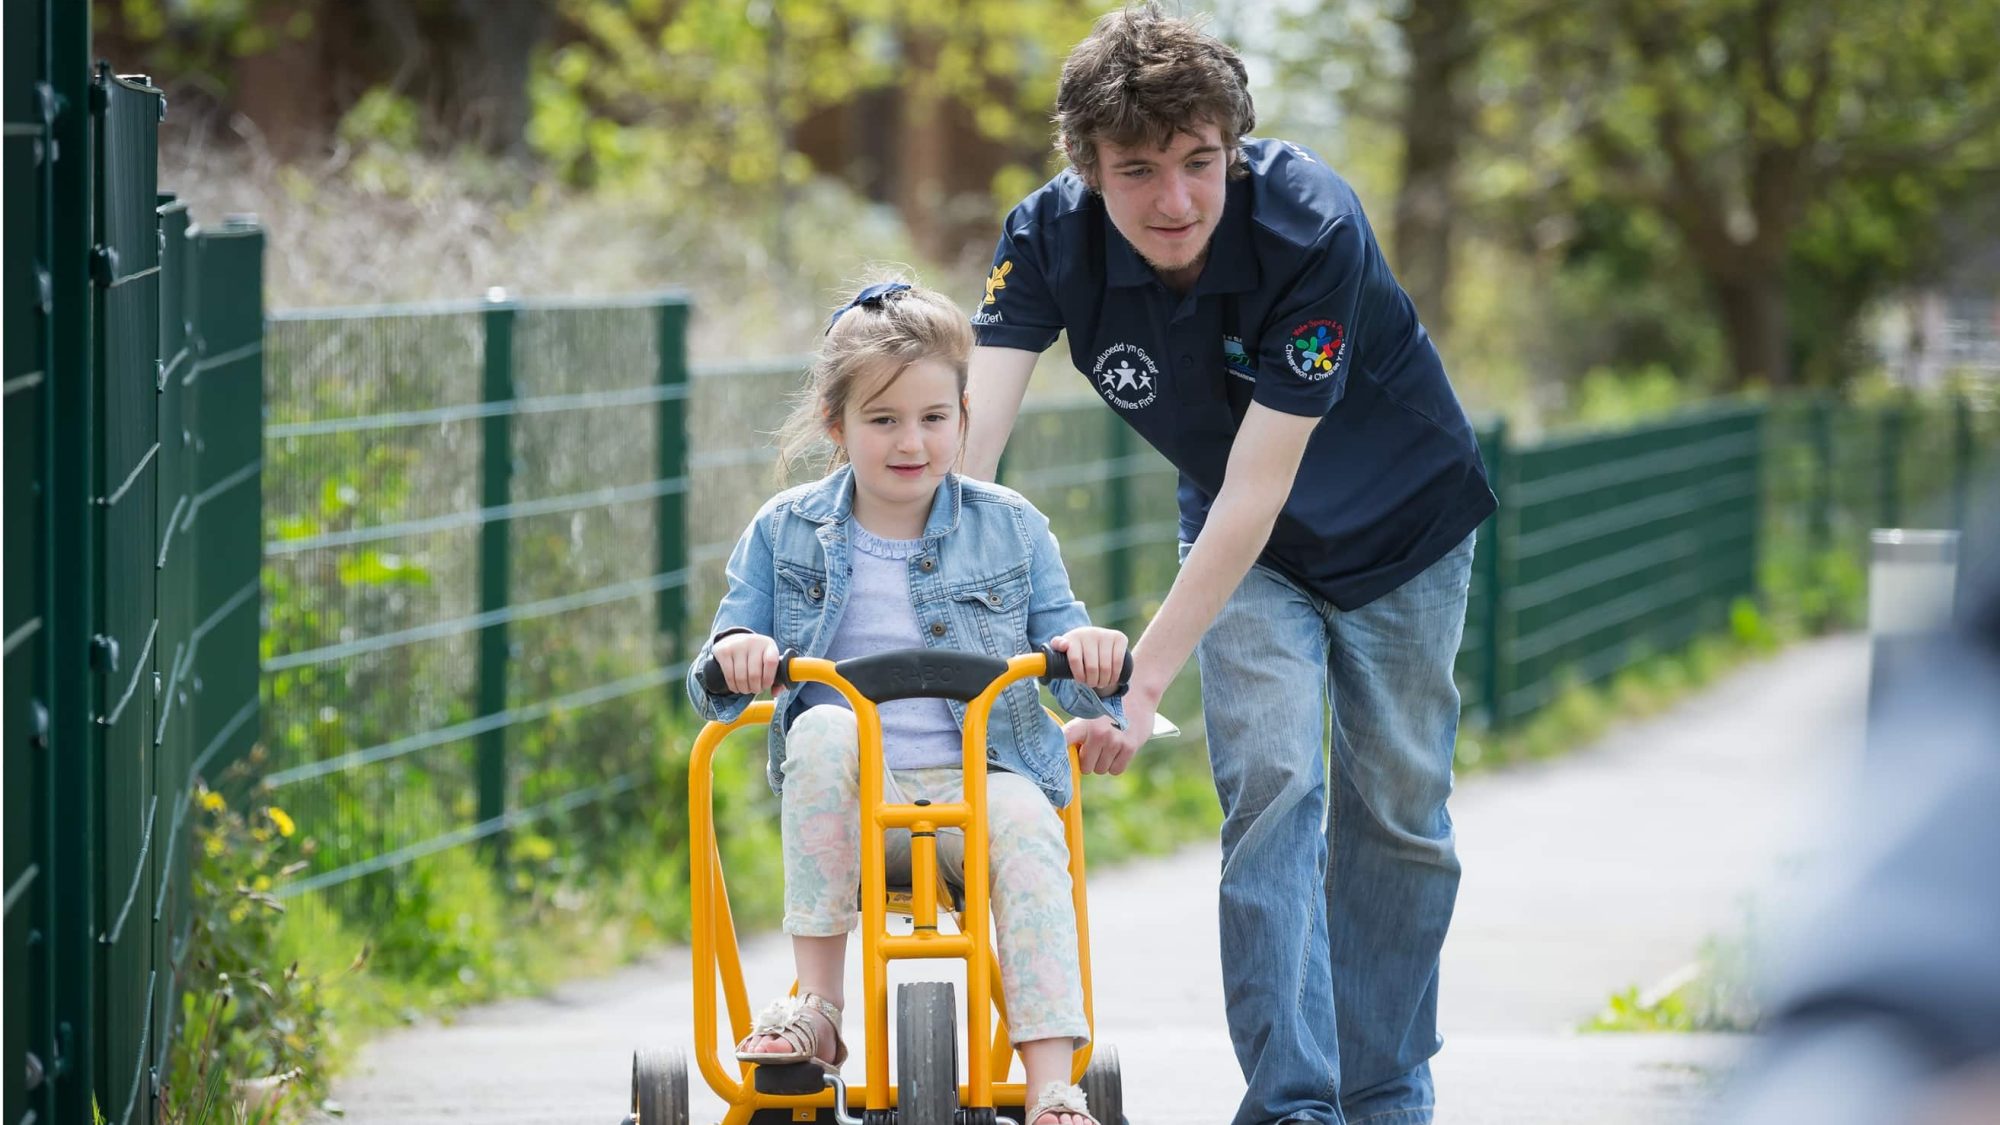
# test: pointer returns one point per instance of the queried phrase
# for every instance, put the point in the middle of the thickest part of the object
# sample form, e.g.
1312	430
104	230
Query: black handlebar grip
715	683
1059	670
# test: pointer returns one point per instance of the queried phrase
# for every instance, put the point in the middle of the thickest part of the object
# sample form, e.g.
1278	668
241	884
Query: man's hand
1096	656
1102	747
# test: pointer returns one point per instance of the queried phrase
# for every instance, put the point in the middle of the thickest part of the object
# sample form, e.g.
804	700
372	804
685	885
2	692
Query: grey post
1912	591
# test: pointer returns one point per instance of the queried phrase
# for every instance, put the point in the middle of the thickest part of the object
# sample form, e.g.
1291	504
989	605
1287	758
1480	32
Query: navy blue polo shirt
1295	309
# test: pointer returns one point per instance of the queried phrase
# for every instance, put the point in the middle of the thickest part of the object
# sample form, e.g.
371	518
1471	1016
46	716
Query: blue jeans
1333	913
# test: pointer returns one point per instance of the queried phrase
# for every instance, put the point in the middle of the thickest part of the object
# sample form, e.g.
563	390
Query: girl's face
902	440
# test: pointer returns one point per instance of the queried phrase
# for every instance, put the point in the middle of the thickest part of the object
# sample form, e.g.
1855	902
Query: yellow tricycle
927	1088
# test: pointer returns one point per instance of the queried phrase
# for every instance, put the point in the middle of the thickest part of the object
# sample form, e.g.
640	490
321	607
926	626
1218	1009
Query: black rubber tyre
926	1053
660	1087
1103	1087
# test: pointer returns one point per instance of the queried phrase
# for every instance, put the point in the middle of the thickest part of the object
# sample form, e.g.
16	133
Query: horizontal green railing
460	494
492	523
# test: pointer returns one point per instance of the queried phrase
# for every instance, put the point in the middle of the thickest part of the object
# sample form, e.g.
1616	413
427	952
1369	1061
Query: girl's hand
749	661
1096	655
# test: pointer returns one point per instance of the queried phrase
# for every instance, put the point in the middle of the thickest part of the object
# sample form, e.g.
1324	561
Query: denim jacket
988	579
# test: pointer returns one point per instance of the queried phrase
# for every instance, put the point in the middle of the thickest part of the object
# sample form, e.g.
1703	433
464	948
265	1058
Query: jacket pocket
801	600
994	614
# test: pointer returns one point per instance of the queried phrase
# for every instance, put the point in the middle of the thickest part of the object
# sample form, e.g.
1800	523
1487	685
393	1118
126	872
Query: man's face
1167	200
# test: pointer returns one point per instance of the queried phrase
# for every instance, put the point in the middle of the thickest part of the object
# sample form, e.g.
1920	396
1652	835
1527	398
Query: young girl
893	549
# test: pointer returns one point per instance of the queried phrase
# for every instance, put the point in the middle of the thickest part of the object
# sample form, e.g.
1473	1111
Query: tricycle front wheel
926	1053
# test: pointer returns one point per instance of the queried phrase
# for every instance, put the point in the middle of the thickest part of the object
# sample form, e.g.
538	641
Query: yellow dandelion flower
282	820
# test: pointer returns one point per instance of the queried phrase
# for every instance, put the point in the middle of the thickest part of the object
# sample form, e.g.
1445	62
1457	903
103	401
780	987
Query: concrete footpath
1583	876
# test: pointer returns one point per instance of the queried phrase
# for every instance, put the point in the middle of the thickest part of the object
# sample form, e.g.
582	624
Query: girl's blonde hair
882	337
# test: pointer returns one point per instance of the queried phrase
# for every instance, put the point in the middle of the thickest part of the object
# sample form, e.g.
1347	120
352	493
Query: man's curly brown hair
1143	76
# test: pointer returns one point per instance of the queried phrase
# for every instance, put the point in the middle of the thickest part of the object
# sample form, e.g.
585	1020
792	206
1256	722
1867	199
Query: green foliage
197	41
1607	398
1795	139
1811	592
712	93
382	117
1627	1011
1714	994
1165	800
1580	713
253	1024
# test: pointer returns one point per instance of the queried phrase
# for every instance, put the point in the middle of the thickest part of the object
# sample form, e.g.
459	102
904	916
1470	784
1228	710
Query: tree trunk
1752	308
923	145
495	76
1441	45
282	90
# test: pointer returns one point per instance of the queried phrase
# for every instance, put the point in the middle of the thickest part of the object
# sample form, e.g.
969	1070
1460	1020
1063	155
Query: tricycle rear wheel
926	1053
1104	1087
659	1087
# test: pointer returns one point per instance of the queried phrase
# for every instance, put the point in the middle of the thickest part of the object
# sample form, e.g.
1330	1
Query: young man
1227	298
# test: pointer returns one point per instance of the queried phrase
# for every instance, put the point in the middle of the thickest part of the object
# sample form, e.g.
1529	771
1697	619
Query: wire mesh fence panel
126	530
489	553
471	557
734	409
1625	545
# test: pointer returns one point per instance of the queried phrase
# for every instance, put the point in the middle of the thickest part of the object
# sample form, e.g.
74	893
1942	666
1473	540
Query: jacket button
814	593
928	563
994	598
937	628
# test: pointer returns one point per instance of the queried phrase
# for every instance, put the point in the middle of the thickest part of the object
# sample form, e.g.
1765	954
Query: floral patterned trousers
1033	918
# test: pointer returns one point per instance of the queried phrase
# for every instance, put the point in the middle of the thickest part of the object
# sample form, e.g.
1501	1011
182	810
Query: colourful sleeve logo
1315	348
998	280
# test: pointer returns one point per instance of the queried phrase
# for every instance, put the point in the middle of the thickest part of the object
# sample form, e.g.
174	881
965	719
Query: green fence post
1760	461
1501	542
1118	565
1820	434
497	472
75	850
29	374
670	514
1961	461
1892	465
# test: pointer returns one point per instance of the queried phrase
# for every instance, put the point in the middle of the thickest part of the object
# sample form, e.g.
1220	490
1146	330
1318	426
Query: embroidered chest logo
1126	376
1316	348
998	281
1235	358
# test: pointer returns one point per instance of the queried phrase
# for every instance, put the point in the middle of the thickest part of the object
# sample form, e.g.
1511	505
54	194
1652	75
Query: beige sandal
1060	1097
787	1018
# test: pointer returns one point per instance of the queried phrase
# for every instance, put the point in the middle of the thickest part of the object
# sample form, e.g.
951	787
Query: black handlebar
917	673
1059	670
715	683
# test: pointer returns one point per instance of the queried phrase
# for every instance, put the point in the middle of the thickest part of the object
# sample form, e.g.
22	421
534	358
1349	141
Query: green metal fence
475	537
493	527
133	389
1610	547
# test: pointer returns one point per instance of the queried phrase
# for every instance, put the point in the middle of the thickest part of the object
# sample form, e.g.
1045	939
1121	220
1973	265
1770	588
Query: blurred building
1950	327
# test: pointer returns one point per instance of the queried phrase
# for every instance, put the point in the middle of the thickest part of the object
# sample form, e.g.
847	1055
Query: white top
916	733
